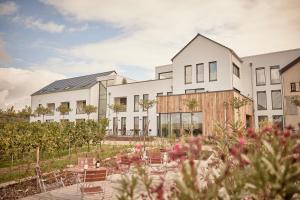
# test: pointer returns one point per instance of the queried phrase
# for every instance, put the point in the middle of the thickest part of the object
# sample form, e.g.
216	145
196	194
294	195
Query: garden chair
48	181
89	183
156	163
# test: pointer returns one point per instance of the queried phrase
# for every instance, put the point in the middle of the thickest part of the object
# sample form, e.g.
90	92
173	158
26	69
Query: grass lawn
23	169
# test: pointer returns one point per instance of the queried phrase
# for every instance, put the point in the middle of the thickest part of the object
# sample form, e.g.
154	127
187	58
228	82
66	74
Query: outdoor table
77	170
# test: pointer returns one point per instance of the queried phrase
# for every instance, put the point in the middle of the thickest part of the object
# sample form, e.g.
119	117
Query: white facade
200	50
266	61
90	95
151	87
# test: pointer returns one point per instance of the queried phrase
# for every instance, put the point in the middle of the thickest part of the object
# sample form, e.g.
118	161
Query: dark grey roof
76	83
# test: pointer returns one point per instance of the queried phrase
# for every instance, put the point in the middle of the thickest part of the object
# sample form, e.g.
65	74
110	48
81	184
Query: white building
202	66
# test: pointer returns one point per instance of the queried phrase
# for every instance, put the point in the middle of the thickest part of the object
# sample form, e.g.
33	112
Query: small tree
146	105
89	109
101	131
192	104
41	110
237	103
63	109
116	109
26	113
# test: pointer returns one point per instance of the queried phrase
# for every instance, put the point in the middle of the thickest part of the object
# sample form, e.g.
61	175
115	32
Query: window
236	70
122	101
261	100
295	87
262	119
200	72
169	93
145	97
115	126
145	119
123	125
291	108
276	99
51	107
213	71
191	91
67	104
260	76
274	75
136	103
80	105
279	120
165	75
188	74
159	94
136	125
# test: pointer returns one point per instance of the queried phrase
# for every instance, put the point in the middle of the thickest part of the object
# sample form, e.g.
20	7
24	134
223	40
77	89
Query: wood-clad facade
211	104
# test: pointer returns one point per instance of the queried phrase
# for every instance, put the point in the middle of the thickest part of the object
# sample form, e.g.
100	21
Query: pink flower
242	142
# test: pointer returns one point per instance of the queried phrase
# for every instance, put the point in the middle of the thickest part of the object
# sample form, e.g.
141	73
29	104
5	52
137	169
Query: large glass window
145	119
236	70
260	76
197	122
188	74
276	99
191	91
123	125
160	94
164	125
165	75
261	100
51	107
213	71
200	72
274	75
145	98
80	105
175	124
186	123
115	126
136	103
180	123
136	125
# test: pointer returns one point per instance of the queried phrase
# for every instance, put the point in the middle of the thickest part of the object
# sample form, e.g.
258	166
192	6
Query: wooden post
37	156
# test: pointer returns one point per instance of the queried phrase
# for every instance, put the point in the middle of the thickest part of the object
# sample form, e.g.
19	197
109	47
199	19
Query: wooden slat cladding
211	104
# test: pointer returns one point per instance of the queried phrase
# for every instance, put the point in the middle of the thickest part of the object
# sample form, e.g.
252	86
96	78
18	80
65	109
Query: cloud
33	23
16	85
154	31
8	8
79	29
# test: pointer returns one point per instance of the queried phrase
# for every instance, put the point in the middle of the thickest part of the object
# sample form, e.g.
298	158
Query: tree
101	131
296	100
25	113
88	109
116	109
192	104
41	110
146	105
237	103
63	109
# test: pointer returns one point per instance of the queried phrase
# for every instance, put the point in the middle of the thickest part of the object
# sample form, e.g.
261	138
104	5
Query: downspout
252	89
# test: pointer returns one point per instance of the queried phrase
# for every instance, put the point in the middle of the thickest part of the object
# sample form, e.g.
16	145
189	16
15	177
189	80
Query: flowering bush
263	164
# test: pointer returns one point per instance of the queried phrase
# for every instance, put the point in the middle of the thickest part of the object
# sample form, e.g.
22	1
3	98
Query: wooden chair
88	183
155	157
48	181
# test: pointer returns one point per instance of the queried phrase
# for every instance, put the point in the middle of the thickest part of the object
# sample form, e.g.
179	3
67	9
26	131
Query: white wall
151	87
266	61
90	95
202	50
162	68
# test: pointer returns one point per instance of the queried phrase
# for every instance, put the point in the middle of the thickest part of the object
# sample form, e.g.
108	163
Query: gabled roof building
204	70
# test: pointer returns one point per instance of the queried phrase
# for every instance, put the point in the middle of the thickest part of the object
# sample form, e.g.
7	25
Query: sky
46	40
